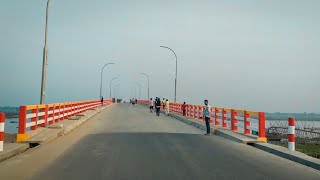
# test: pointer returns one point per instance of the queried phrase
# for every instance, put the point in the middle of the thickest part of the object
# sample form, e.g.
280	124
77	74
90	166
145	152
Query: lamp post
175	82
148	82
101	78
44	63
111	84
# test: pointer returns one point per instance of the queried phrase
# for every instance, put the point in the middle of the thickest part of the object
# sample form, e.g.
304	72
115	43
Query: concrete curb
273	149
295	156
13	152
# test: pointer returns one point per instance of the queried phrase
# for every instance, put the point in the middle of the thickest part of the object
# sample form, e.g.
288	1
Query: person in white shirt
151	105
206	116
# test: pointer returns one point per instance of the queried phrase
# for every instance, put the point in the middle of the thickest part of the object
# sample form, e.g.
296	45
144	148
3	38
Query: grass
309	149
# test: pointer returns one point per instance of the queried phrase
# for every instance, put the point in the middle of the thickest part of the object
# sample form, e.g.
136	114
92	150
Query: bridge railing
242	121
143	102
33	116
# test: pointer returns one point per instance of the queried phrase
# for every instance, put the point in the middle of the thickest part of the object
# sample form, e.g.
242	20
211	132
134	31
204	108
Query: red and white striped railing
247	122
243	121
2	121
33	116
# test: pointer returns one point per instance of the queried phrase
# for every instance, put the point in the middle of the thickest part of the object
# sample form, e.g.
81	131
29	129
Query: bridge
125	141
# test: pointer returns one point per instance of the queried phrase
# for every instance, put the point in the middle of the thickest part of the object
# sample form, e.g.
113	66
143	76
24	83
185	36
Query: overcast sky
248	54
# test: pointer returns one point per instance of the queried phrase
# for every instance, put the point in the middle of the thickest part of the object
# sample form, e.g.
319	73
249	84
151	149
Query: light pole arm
175	55
101	77
176	78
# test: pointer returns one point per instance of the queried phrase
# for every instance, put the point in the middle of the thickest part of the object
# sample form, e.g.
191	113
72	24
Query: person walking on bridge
167	107
183	107
206	116
151	105
163	103
158	106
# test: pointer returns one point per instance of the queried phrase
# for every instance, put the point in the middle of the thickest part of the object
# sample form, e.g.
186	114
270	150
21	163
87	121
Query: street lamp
44	63
175	82
101	78
111	84
148	82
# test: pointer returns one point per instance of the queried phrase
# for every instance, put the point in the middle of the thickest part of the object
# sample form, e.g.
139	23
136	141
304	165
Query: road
128	142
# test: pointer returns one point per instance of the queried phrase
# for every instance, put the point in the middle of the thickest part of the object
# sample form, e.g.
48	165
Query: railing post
187	111
232	120
2	121
216	111
246	122
34	119
46	116
22	124
81	107
52	114
211	121
262	127
57	112
196	113
223	118
291	134
191	111
63	111
173	108
67	110
73	109
70	110
78	107
200	112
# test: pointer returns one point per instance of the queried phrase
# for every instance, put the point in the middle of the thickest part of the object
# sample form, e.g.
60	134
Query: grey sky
259	55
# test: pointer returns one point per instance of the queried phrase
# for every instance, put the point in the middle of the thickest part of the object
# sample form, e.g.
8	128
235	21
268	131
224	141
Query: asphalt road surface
128	142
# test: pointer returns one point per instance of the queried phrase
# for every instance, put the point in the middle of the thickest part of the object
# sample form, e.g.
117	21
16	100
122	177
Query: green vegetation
312	150
309	149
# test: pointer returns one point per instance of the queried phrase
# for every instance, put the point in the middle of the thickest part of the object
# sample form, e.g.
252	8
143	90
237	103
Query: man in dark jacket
158	106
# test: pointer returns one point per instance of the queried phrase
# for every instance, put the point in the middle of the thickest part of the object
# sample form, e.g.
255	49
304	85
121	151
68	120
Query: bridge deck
127	142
